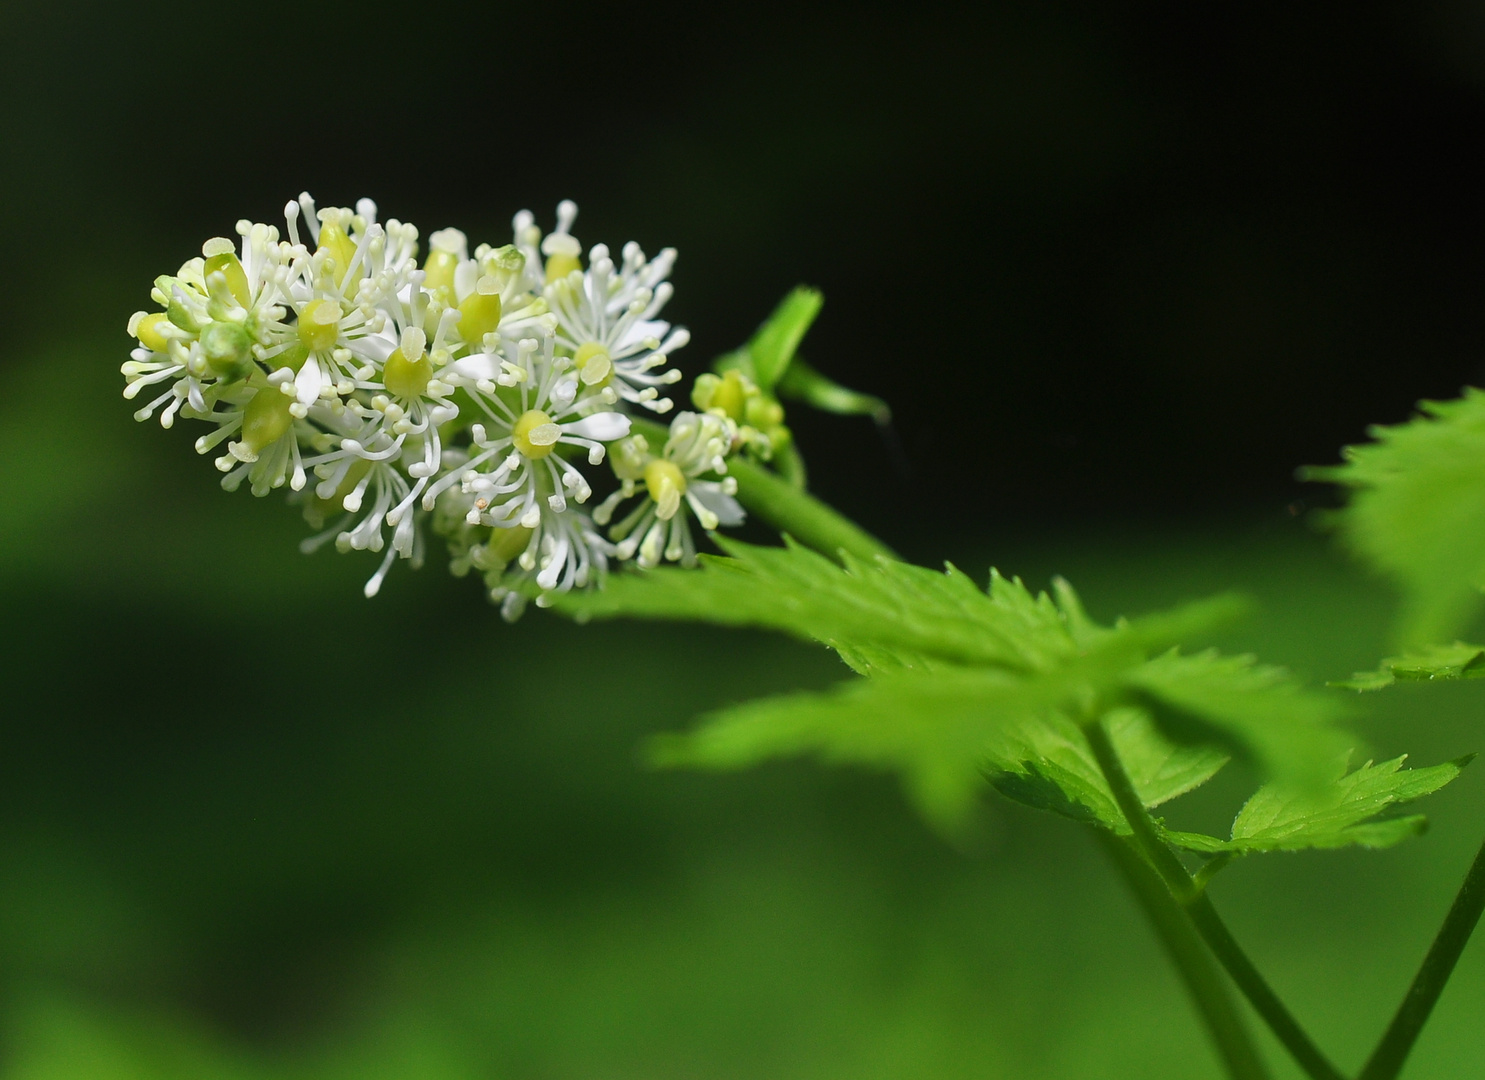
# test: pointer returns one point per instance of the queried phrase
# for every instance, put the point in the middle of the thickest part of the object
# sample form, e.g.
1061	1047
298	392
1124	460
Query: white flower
330	352
267	451
673	483
219	310
337	336
531	408
607	316
409	402
368	479
563	551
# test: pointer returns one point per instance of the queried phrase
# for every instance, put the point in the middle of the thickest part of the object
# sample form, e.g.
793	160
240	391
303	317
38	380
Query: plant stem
1171	870
1198	908
1203	981
801	515
1387	1059
1257	990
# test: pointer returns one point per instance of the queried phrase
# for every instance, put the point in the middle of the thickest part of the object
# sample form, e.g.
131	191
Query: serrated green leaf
944	733
1342	813
1049	765
934	730
1254	710
1443	662
889	605
908	610
875	659
963	682
1417	512
773	346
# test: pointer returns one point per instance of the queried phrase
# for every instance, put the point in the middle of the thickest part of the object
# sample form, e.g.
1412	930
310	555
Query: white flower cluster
478	392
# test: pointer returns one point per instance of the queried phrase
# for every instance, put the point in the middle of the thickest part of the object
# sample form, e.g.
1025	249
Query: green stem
1202	915
1170	868
1203	981
1387	1059
1257	990
787	508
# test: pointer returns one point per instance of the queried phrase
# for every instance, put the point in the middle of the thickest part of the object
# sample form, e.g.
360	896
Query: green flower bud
228	348
228	266
266	418
763	413
175	311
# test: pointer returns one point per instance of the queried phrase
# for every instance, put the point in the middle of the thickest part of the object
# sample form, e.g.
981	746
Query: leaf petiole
1203	981
1192	899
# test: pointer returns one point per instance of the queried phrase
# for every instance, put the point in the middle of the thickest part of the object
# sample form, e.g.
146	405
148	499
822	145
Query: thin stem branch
1171	870
801	515
1198	908
1203	981
1257	990
1387	1059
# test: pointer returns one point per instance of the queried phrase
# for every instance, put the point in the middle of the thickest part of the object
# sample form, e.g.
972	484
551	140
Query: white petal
564	392
728	510
375	347
465	276
307	382
603	427
478	366
643	328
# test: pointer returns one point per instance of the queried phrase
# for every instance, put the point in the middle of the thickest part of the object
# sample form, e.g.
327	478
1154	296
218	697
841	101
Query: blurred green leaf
59	1040
1282	817
1417	512
1252	709
965	682
773	346
803	383
944	733
934	730
1445	662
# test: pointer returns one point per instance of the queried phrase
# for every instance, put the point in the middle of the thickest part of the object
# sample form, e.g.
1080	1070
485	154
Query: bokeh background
1119	268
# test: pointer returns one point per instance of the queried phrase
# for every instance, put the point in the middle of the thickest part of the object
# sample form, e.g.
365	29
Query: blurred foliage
1417	513
963	683
252	825
1424	664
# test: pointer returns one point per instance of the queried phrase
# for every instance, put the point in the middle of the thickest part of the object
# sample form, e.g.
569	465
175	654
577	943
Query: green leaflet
1281	817
1417	512
966	684
1254	710
1445	662
914	613
1049	765
931	729
773	346
944	733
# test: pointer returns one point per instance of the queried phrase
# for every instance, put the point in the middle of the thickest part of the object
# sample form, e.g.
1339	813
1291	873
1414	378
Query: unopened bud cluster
484	393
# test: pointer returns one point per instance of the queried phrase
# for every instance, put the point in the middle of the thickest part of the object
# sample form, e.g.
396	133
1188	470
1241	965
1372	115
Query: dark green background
1119	268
